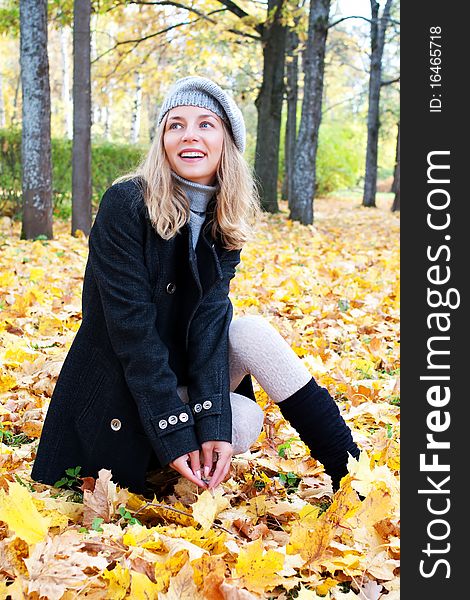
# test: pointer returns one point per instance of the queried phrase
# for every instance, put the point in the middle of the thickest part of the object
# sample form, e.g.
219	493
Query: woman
158	373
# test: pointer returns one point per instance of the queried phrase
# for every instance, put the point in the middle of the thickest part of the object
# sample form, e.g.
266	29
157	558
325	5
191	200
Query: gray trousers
257	348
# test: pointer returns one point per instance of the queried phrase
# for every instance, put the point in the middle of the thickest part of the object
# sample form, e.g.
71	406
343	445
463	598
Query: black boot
315	415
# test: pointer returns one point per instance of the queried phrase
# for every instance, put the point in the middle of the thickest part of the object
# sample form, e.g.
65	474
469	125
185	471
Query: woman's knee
247	422
245	331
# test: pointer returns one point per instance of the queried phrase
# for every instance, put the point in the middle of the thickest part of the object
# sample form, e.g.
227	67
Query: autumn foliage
273	529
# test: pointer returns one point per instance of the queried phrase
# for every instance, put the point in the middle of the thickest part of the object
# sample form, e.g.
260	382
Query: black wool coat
155	314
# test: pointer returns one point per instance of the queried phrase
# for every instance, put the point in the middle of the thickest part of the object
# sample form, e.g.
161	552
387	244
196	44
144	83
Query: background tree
304	172
269	105
378	28
36	121
292	99
141	48
81	158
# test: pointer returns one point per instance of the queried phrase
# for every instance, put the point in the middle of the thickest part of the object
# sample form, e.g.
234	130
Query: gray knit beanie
202	92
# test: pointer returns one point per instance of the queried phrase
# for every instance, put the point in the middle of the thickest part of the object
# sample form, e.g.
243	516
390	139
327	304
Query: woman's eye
174	125
206	123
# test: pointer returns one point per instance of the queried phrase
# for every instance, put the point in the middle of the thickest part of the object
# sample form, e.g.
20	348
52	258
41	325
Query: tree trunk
107	115
153	109
81	159
396	176
66	100
96	107
14	115
292	93
269	106
36	121
2	106
304	171
377	37
135	121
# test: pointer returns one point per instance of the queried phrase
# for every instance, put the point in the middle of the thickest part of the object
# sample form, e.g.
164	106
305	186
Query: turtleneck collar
198	193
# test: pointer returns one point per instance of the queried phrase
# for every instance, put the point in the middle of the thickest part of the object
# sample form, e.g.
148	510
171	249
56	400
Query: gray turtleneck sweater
199	196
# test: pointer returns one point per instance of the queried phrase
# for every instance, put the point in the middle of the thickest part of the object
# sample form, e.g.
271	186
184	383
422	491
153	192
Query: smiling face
193	142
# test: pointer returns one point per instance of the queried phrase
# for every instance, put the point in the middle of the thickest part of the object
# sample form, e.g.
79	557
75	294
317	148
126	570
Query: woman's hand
191	471
222	452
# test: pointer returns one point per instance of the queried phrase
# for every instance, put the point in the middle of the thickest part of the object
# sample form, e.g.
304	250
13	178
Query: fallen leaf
18	510
257	569
58	563
208	506
182	587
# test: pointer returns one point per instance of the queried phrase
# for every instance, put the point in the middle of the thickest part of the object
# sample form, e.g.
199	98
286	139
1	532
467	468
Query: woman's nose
190	132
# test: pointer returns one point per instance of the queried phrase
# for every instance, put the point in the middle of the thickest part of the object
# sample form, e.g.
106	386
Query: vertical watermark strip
434	251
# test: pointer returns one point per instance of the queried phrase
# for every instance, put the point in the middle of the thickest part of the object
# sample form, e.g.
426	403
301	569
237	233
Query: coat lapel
204	261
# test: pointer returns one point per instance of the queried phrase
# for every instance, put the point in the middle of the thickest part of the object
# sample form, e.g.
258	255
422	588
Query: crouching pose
158	373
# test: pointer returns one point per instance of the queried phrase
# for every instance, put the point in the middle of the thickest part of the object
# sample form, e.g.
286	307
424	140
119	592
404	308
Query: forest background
323	270
139	48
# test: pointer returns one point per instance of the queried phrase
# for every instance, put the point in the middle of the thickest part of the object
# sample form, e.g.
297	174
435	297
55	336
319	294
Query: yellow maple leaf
311	543
325	586
142	588
36	274
257	506
311	538
169	568
118	581
364	478
308	515
208	506
257	569
18	510
209	573
7	382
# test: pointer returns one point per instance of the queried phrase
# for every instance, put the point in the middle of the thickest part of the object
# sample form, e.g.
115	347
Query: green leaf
96	525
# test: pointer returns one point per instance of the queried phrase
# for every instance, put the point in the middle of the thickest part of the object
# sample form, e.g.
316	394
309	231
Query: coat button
183	417
172	420
207	404
171	287
116	424
163	424
197	408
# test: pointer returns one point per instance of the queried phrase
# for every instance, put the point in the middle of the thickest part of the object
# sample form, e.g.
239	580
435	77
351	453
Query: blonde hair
237	201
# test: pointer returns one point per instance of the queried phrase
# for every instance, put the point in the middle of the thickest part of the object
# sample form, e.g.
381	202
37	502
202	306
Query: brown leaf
58	564
97	503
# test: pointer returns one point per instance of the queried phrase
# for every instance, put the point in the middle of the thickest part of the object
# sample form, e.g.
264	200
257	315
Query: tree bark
14	116
269	106
378	28
2	106
66	99
107	114
81	159
36	121
396	176
304	171
292	95
135	121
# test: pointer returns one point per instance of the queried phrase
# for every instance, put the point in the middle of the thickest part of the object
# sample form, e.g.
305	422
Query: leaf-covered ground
273	529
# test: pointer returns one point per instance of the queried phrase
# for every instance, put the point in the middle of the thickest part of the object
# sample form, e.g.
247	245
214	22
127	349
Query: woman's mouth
191	156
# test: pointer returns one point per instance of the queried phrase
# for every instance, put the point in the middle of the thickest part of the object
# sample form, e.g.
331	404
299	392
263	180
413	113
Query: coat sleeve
116	252
209	375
